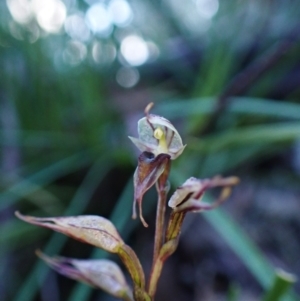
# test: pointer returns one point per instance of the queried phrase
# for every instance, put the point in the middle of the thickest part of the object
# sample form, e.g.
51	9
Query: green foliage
62	126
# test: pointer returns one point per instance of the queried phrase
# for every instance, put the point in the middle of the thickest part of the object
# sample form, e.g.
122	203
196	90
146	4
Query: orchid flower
188	196
157	135
159	142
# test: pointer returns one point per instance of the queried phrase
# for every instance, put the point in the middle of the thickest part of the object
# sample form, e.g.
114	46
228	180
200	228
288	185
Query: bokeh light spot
103	53
75	52
98	19
207	8
20	10
50	14
76	28
134	49
127	77
120	12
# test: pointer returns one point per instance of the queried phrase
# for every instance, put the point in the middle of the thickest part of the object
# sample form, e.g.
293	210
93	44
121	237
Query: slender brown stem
172	237
167	250
160	220
160	211
161	187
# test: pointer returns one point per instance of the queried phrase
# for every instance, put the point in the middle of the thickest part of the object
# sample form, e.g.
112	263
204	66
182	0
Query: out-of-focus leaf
39	139
282	132
44	177
238	105
240	243
57	241
12	233
281	284
233	292
216	68
221	161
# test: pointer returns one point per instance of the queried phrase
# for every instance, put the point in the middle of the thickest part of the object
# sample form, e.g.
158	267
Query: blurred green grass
64	120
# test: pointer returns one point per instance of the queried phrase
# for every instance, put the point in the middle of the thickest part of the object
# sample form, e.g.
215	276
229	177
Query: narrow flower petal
95	230
101	273
147	173
142	146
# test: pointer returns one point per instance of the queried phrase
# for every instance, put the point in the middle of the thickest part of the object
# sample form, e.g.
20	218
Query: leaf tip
20	216
285	276
39	253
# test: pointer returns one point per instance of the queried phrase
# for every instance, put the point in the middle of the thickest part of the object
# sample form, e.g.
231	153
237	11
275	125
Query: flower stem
166	250
132	263
159	226
174	226
161	187
162	190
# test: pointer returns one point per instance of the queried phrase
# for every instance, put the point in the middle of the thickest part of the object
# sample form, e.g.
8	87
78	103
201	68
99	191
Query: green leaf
281	132
281	284
238	240
244	248
43	177
57	241
237	105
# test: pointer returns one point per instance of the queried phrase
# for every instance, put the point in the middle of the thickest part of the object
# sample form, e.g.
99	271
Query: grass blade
282	132
281	284
237	105
43	177
57	241
244	248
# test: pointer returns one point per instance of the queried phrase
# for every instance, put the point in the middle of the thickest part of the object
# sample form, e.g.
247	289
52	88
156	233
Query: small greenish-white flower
159	143
188	197
157	135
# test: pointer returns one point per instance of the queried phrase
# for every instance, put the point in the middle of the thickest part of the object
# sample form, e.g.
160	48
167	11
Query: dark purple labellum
147	173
